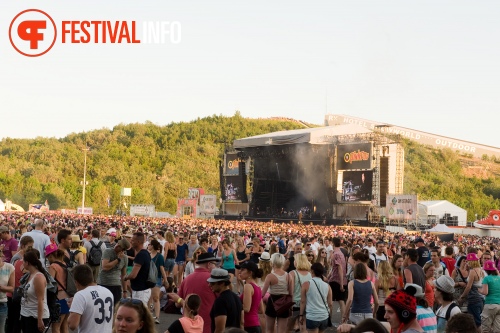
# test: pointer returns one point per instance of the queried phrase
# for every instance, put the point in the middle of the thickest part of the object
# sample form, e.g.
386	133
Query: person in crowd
196	283
401	312
140	272
413	272
367	325
289	265
113	269
180	259
94	242
297	277
256	250
40	239
360	292
490	317
425	316
351	263
160	237
78	256
132	316
243	255
227	310
278	285
448	259
385	284
429	270
461	323
91	309
251	297
191	265
191	321
214	244
157	259
6	286
337	277
310	256
323	260
316	297
424	255
397	269
169	251
440	267
193	245
8	244
34	307
13	305
379	255
58	270
460	275
444	289
471	291
229	259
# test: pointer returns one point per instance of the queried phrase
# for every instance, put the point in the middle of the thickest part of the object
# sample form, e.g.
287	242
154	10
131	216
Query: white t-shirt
95	305
372	249
5	272
441	312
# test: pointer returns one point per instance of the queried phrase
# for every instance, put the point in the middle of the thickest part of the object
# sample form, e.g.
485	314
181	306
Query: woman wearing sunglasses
131	316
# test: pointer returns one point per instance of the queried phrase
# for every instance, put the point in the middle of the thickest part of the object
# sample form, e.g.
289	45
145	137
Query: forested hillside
160	163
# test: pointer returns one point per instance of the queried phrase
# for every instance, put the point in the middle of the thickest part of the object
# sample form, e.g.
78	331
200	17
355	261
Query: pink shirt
252	317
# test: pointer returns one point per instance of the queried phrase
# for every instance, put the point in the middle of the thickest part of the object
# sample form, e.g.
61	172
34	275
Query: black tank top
241	255
170	254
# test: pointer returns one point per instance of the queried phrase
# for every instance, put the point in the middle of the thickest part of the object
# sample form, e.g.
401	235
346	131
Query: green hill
160	163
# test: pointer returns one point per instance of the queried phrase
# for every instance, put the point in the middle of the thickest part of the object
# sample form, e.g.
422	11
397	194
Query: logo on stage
354	156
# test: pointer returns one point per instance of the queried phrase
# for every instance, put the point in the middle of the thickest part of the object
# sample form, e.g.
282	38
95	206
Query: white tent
2	206
439	208
441	228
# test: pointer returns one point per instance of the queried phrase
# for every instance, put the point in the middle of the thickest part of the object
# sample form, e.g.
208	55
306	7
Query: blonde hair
277	260
473	264
266	268
385	275
169	236
301	262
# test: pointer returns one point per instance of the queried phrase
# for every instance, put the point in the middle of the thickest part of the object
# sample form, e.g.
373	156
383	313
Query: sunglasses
310	255
130	300
308	244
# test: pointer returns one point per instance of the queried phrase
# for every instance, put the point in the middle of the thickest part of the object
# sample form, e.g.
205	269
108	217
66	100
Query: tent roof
316	135
442	205
441	228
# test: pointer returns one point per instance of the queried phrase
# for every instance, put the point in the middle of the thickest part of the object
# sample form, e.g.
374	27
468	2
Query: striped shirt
426	319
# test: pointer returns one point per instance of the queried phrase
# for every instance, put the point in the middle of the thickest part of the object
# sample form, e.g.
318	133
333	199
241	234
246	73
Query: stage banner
401	207
208	203
231	164
195	193
354	156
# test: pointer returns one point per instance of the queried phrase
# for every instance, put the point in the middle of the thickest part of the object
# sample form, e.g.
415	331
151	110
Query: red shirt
196	283
450	263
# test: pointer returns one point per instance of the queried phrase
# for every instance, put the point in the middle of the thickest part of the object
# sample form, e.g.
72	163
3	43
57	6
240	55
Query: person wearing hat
471	292
425	316
401	312
251	296
8	244
227	308
113	269
424	255
196	283
490	317
77	251
444	287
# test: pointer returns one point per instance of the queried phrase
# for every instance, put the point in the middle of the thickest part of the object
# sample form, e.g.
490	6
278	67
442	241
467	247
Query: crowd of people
117	273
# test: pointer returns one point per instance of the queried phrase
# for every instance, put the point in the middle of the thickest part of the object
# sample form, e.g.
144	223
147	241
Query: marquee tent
441	228
439	208
2	206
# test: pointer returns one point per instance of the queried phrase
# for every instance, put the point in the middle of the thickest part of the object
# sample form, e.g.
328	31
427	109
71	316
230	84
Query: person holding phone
113	268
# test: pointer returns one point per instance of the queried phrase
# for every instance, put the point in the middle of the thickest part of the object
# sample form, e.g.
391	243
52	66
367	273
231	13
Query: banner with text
208	203
401	207
354	156
231	164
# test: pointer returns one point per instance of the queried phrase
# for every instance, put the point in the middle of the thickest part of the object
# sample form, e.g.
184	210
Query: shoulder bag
330	324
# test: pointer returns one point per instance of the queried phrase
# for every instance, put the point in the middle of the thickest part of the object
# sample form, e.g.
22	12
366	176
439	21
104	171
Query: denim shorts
475	310
180	263
320	325
169	265
158	282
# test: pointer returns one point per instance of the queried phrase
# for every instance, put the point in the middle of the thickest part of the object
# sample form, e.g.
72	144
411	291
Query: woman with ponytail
34	308
191	321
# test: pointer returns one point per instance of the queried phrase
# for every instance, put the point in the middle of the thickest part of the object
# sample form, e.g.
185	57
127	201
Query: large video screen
234	188
357	186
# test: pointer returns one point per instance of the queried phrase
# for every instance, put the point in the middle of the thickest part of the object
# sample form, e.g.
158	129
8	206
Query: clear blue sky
428	65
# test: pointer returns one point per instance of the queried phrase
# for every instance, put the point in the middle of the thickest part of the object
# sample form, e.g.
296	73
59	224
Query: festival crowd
98	273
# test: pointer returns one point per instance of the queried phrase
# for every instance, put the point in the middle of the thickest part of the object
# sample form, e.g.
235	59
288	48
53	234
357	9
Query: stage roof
315	136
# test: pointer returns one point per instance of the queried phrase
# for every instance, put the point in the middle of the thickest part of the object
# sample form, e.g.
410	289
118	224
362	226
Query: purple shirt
9	246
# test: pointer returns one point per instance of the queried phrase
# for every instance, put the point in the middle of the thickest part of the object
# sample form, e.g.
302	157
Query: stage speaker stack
384	180
332	195
221	181
243	175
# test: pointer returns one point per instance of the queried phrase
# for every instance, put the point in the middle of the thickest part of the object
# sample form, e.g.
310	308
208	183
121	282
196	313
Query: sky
431	66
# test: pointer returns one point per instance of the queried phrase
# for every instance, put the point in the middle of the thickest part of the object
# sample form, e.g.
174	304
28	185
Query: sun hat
489	265
404	304
206	257
265	256
472	257
110	230
418	289
51	248
445	284
76	239
218	275
112	234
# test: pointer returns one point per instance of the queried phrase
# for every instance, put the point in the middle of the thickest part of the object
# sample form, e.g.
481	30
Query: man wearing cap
41	239
401	312
196	283
423	252
111	241
8	244
113	269
444	289
227	309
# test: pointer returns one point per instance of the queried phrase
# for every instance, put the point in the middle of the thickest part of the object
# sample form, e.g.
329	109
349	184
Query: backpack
152	275
95	254
71	261
448	312
70	280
